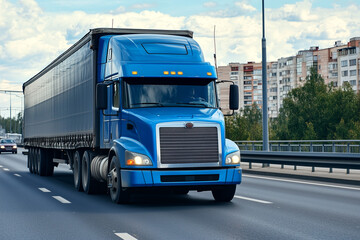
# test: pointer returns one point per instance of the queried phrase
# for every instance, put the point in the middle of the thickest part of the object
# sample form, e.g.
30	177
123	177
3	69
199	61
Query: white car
8	145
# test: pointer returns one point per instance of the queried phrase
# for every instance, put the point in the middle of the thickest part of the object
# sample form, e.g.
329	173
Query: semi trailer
132	109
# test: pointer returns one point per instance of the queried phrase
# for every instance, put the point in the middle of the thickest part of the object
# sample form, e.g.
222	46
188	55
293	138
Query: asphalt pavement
265	207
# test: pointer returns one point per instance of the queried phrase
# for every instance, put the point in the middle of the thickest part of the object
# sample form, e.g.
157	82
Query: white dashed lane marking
125	236
252	199
6	169
61	199
17	175
44	190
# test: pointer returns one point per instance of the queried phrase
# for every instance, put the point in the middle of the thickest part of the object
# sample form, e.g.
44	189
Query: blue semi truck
132	109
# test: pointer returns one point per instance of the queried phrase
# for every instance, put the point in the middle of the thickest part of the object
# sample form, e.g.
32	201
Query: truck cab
160	118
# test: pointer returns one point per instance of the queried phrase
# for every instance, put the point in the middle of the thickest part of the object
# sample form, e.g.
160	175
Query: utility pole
10	91
264	85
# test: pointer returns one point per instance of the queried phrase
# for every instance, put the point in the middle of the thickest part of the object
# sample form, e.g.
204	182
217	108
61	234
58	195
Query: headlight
3	147
136	159
14	146
233	158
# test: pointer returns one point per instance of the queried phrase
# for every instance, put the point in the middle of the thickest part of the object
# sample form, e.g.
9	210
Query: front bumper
8	149
149	178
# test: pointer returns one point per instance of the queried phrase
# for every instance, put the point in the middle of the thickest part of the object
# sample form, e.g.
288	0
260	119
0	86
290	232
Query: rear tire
34	161
77	171
88	183
42	162
117	193
49	163
30	160
224	193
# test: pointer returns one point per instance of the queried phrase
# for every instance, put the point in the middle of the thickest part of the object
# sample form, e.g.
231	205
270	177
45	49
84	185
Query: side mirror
234	97
101	96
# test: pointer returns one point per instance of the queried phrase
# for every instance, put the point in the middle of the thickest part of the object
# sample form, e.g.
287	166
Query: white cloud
244	6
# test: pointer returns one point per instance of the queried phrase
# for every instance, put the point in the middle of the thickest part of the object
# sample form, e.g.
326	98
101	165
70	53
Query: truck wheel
88	183
30	160
42	162
34	160
77	171
117	193
49	164
224	193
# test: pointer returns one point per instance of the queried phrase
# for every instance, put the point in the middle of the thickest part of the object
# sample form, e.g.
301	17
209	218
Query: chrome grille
179	145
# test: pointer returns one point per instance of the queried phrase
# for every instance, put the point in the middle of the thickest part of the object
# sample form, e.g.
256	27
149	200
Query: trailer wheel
224	193
49	164
77	171
42	158
88	183
30	160
35	160
117	193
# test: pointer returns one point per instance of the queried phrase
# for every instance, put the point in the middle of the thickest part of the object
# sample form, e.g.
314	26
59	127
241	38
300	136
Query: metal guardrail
334	146
312	153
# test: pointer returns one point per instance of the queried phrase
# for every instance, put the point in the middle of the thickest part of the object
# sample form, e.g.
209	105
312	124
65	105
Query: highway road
34	207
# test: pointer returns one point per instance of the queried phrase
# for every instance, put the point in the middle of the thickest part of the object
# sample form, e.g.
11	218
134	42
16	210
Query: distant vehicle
8	145
17	137
133	109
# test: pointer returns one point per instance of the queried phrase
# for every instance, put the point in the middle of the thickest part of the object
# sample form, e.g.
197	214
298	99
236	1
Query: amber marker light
130	162
134	72
173	73
209	73
180	73
166	72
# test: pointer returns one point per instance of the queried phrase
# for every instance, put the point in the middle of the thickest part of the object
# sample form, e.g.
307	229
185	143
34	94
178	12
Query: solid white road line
61	199
44	190
6	169
125	236
18	175
302	182
252	199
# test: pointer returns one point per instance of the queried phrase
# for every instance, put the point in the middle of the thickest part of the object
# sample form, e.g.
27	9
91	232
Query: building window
234	68
344	73
352	62
234	73
352	50
353	82
352	72
247	77
334	74
344	63
257	72
247	88
247	97
247	82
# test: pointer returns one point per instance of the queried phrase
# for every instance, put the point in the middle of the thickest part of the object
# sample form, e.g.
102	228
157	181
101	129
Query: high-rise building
337	65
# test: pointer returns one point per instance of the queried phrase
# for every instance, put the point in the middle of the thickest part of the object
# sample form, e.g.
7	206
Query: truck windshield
169	92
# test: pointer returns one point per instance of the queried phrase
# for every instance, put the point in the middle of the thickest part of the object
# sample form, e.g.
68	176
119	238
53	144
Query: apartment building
337	65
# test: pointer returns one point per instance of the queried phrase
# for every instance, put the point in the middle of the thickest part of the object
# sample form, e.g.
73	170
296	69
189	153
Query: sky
35	32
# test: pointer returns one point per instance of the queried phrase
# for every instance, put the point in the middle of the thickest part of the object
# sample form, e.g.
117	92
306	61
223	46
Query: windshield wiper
146	103
193	104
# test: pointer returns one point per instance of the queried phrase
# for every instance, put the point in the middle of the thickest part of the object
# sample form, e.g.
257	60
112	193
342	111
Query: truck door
112	114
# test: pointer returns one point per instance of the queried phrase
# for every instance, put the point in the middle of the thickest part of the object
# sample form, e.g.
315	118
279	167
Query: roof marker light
166	72
173	73
134	72
180	73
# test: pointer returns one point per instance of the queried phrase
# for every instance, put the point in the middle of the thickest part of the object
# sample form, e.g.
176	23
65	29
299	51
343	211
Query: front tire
117	193
77	171
224	193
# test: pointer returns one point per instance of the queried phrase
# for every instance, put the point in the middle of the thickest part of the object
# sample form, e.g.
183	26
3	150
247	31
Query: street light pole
10	91
264	85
